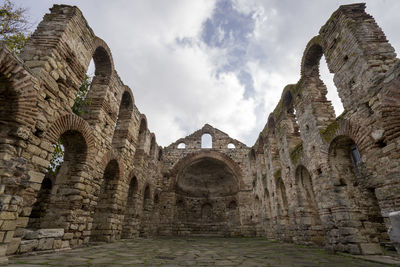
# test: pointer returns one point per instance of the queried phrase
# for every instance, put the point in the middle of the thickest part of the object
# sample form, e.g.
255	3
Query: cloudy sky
220	62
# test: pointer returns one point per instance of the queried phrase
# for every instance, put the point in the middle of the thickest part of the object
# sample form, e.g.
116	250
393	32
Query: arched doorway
206	188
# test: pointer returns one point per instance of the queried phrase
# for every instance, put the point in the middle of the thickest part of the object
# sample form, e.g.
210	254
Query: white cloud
176	83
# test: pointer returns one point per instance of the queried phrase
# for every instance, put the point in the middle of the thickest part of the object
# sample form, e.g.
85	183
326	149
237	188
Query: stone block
57	244
65	244
28	245
13	245
370	249
36	177
43	233
45	244
7	215
68	236
8	225
8	236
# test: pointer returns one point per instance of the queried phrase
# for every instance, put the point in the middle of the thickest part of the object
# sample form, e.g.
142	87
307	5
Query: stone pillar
394	230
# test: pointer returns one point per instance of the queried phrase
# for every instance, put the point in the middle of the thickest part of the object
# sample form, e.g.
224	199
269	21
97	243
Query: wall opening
206	141
81	98
333	95
51	209
231	146
181	146
124	117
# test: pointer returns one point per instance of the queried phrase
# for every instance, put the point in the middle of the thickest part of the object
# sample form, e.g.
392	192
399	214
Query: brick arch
207	129
24	89
143	125
352	189
124	119
113	155
311	87
180	165
101	82
311	57
102	57
143	128
129	91
287	99
360	134
146	186
71	122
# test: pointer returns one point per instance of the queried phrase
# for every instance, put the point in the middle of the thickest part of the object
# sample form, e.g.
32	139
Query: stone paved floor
193	252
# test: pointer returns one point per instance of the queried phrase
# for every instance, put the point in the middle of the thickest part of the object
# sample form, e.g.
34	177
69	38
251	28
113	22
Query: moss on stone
277	174
264	177
328	133
296	153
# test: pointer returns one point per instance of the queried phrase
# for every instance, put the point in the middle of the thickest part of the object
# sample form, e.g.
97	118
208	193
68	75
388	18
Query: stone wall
311	176
104	148
339	175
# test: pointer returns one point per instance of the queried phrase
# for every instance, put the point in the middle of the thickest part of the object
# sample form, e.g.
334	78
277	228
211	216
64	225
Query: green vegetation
296	153
14	26
81	101
278	174
328	133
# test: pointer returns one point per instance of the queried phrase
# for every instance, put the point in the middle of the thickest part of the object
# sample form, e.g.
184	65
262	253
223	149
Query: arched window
206	141
181	146
320	80
355	154
231	146
333	94
92	90
124	116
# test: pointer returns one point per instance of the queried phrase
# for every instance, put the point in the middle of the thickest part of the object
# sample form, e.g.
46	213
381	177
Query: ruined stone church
310	177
